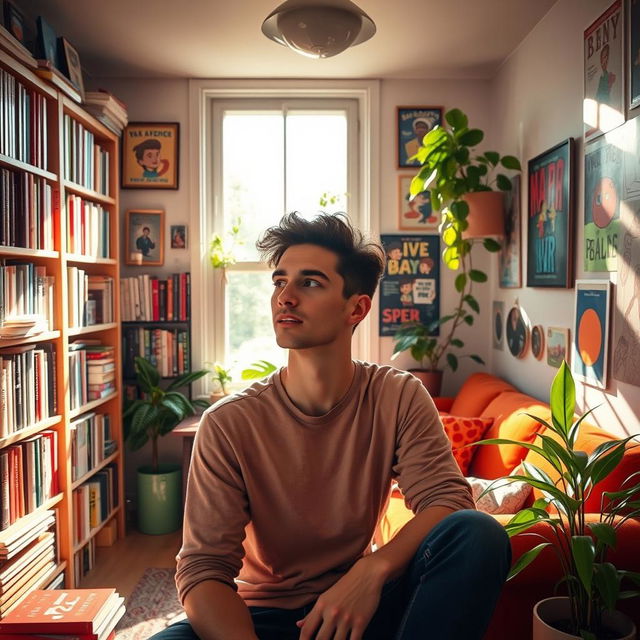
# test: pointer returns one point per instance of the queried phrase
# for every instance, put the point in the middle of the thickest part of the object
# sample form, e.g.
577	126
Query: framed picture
14	21
415	213
603	104
591	332
410	287
509	257
517	331
633	53
150	155
498	324
603	171
557	346
47	42
537	342
178	236
550	218
630	138
71	65
144	234
413	125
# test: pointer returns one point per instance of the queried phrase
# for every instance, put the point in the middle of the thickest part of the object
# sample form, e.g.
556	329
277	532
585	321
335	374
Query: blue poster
410	286
413	125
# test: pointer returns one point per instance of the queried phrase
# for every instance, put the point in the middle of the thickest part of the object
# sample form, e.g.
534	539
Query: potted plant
451	171
221	377
221	252
147	419
592	582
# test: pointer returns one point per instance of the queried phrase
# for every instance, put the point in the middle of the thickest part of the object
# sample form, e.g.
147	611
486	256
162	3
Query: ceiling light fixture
318	28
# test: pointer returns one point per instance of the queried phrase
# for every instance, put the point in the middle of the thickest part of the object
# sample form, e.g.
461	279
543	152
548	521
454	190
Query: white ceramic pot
552	610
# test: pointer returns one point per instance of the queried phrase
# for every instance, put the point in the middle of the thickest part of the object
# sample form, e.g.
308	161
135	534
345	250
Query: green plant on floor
258	370
593	583
159	410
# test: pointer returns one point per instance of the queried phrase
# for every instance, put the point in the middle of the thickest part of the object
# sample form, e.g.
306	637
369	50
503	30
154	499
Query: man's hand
345	610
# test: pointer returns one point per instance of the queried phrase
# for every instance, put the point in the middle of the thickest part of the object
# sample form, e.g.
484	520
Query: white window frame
207	292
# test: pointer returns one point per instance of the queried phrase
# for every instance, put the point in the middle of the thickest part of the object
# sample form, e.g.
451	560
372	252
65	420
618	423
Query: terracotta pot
214	396
486	214
432	380
548	612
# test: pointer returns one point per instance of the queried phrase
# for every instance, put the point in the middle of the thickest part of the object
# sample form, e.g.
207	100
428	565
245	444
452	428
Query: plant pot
432	380
214	396
486	214
552	611
159	499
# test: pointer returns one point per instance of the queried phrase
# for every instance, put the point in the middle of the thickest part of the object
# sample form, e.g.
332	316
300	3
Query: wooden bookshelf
48	167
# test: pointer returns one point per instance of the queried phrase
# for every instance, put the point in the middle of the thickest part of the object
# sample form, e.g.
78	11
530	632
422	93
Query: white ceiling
222	38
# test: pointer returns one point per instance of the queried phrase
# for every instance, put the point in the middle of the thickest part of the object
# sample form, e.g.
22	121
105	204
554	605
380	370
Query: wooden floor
122	564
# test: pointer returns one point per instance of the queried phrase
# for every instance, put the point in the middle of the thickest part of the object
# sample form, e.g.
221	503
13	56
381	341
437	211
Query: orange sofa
485	395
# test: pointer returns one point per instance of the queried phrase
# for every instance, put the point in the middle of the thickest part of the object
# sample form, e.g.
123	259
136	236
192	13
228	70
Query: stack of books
108	109
84	614
101	369
23	326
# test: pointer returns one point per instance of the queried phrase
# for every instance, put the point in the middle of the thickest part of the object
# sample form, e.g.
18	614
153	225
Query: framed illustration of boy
603	104
415	213
150	155
178	236
413	125
71	65
144	234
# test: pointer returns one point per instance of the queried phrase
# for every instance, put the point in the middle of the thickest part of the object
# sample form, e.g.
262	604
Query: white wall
536	102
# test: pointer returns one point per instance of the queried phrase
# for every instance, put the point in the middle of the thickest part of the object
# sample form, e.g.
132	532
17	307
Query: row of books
26	211
83	561
91	372
147	298
93	502
26	290
88	227
90	298
28	476
108	109
85	162
167	349
27	386
91	442
23	122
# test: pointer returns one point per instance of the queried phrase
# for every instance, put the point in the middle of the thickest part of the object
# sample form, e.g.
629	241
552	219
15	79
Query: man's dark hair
360	262
150	143
146	229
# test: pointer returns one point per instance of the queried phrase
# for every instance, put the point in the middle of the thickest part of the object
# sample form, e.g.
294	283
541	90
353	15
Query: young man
290	477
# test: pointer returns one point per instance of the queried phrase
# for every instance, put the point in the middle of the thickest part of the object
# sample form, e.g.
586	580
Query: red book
183	296
57	611
155	302
48	636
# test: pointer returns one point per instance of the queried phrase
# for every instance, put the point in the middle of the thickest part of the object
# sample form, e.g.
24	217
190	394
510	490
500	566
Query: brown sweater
299	496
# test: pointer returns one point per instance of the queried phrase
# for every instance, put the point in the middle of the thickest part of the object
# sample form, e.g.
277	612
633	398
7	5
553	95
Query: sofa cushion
494	461
502	497
478	390
462	432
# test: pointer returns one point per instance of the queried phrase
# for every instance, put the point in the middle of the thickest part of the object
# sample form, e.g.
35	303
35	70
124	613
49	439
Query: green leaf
469	320
477	276
504	184
477	359
493	157
186	378
511	162
472	302
562	399
456	342
460	282
147	372
526	559
450	236
583	552
491	245
453	361
459	209
471	138
604	533
456	119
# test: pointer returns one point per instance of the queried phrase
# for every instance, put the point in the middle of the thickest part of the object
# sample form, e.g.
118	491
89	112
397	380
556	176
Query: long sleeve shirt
280	504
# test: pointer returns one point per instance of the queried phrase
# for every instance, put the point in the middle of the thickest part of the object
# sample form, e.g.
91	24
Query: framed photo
150	155
178	236
71	65
498	324
413	125
537	342
14	21
557	346
410	287
550	218
509	256
603	171
591	332
415	214
47	42
144	234
517	331
603	104
633	53
630	138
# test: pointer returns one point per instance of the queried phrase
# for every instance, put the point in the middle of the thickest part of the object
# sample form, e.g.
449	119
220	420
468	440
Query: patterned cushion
504	497
463	431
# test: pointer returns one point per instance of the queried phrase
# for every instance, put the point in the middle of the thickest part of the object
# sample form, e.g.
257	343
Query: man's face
145	232
395	254
604	58
150	159
307	305
405	288
421	129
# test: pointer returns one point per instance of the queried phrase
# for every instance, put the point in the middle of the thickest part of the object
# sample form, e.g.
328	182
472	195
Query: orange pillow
464	431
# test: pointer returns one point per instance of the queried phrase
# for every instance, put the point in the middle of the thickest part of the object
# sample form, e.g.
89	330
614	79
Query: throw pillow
464	431
504	497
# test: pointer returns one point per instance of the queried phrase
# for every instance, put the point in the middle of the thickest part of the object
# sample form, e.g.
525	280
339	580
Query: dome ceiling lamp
318	28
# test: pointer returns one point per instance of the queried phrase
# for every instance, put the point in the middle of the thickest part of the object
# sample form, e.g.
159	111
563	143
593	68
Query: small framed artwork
144	234
550	218
178	236
415	213
150	155
71	65
413	125
603	104
47	42
518	331
557	346
633	53
509	257
14	21
498	324
537	342
591	332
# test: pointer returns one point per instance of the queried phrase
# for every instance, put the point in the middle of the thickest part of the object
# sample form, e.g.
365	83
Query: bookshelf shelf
94	328
82	259
12	163
12	438
72	187
90	406
107	461
22	252
95	530
40	337
26	75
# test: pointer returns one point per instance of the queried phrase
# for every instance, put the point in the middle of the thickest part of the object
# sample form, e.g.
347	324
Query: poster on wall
591	332
626	324
410	286
603	188
415	214
550	218
509	256
557	346
629	141
603	104
412	126
633	53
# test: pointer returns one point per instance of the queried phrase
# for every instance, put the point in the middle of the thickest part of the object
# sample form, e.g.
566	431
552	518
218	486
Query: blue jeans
448	592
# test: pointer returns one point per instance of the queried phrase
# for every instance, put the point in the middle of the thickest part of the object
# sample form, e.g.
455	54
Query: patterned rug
152	606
